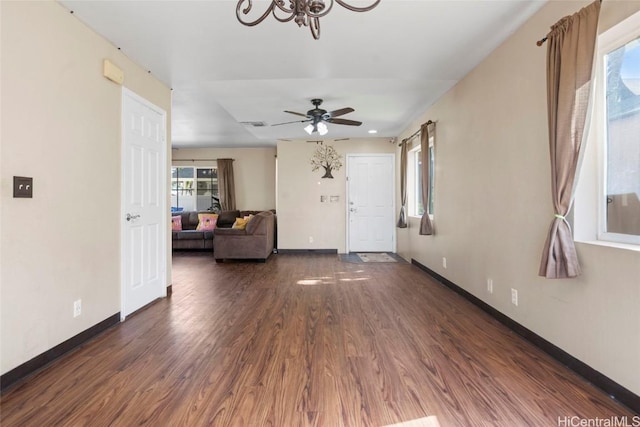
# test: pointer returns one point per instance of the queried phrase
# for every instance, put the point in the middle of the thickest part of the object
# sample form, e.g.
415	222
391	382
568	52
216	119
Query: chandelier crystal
303	12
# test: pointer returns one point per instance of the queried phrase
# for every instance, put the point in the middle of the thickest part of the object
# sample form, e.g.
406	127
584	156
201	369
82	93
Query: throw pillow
176	223
241	223
206	222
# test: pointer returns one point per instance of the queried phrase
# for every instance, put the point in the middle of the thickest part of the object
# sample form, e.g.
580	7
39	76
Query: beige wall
300	213
493	208
61	126
254	172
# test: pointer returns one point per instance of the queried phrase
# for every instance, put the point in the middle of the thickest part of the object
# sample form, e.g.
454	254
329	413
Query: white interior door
370	203
144	210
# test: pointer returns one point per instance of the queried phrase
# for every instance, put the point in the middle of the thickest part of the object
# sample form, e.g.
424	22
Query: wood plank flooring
305	340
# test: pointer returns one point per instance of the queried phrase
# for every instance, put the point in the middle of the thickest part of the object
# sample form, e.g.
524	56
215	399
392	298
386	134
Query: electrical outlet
310	239
444	262
514	296
77	308
490	286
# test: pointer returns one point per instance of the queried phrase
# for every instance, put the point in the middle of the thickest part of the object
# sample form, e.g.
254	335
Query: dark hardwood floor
305	340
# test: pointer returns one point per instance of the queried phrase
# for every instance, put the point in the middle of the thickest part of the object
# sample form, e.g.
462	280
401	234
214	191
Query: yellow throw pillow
241	223
206	222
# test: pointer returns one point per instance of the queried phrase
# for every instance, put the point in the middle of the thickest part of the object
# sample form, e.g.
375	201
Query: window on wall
417	184
416	157
194	189
618	96
432	168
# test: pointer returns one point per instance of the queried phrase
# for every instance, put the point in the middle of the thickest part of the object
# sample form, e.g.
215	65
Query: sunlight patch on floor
309	282
312	281
357	279
431	421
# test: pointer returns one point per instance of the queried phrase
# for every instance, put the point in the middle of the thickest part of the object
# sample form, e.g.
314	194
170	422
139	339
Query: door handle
130	217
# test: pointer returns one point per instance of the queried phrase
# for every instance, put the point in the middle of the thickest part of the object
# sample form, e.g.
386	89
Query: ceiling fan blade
295	121
297	114
344	122
341	112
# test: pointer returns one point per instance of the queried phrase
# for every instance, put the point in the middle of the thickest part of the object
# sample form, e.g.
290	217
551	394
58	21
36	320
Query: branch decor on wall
327	157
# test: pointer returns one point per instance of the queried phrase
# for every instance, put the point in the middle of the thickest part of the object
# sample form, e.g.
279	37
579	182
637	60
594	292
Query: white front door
370	203
144	207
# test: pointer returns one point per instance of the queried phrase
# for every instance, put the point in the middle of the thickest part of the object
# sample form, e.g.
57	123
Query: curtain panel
570	53
427	130
226	184
402	219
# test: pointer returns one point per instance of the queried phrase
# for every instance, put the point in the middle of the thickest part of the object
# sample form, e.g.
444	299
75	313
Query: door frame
161	292
349	157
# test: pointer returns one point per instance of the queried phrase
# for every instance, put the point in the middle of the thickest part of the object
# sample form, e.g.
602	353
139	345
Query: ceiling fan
317	116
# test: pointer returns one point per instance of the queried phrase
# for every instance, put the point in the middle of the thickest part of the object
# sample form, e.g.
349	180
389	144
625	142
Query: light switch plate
22	187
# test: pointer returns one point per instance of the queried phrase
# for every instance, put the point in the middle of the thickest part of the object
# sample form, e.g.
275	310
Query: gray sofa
189	237
256	241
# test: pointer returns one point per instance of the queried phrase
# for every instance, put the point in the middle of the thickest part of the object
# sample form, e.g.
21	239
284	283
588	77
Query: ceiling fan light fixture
309	129
317	118
303	12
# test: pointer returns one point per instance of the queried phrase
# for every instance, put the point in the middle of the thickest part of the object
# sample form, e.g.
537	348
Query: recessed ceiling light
373	131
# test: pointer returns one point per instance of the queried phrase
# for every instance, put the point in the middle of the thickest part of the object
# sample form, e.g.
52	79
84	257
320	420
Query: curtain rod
544	39
413	135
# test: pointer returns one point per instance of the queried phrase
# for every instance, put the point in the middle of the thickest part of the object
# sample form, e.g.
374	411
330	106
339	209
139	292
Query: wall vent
254	124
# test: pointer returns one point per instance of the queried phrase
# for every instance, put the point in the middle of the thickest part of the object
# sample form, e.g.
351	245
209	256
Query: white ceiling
388	64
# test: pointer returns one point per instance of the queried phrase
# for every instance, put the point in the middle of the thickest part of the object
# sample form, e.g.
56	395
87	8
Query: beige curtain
426	131
402	220
226	184
570	51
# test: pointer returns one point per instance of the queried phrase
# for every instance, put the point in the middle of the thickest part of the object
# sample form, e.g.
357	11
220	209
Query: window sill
616	245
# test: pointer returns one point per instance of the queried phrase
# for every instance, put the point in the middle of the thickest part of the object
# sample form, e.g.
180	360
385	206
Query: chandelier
303	12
